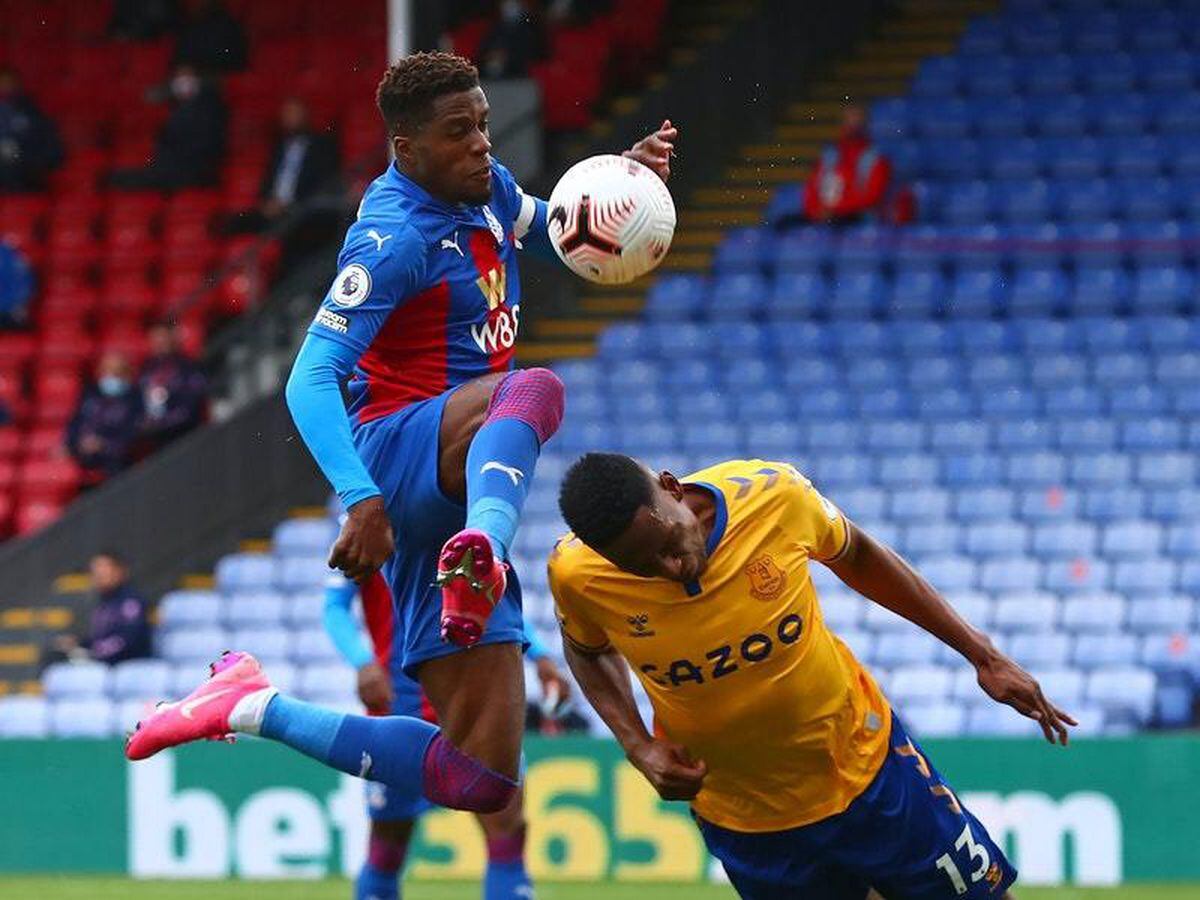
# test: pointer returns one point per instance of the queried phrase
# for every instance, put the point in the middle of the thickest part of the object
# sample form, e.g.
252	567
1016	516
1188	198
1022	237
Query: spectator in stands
514	43
210	39
191	143
16	287
120	626
142	20
30	145
174	388
303	163
104	431
852	178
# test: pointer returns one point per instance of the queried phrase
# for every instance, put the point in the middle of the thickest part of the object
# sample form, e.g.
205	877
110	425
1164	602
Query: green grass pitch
83	888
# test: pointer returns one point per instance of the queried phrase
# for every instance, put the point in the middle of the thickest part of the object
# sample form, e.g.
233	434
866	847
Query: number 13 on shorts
980	860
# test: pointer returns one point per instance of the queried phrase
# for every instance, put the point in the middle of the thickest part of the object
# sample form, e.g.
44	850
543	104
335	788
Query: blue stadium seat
804	250
1025	611
999	79
930	539
676	297
894	436
840	470
1013	404
313	646
579	374
1049	649
1173	504
1063	115
301	537
1073	158
1098	292
1161	612
1064	686
907	470
842	612
1048	504
1179	370
1087	435
1126	691
1146	199
995	538
933	372
786	202
1100	470
1085	201
995	370
1120	369
1182	155
75	679
824	402
1105	71
976	293
1124	114
945	403
1001	117
902	647
325	682
93	717
982	504
1131	539
624	341
301	573
1174	650
1066	539
1155	575
1175	71
1010	573
918	503
997	720
778	440
934	720
1140	400
966	470
863	503
195	646
916	294
1023	434
245	572
1106	504
1099	651
249	608
1061	371
1102	612
1072	400
1162	289
1166	469
959	436
744	250
1006	158
797	295
181	609
269	645
1042	336
949	573
911	684
1023	201
1029	469
143	679
713	438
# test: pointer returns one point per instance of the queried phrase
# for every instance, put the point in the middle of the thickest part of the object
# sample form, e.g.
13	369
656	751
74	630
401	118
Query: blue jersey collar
410	188
718	530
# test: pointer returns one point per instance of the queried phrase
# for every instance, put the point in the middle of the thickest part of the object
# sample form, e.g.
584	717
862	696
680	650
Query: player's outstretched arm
604	678
881	575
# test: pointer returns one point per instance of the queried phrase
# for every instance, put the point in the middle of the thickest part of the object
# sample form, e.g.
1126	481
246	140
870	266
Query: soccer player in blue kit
433	458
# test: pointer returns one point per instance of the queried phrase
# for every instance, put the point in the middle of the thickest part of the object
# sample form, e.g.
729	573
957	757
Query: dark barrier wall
177	510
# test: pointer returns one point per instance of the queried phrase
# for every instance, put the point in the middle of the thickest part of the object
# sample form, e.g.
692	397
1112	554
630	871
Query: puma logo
378	238
515	474
191	706
448	244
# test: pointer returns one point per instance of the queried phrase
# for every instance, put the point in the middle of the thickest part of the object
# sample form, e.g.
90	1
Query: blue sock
389	749
372	884
503	880
500	464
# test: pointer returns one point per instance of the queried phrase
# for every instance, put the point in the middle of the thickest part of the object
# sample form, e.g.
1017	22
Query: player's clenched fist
669	768
365	542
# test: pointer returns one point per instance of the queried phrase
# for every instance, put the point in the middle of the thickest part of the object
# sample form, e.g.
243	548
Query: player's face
664	540
450	155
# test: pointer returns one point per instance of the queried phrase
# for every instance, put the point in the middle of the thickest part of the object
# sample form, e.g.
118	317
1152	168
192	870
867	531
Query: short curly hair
600	495
406	93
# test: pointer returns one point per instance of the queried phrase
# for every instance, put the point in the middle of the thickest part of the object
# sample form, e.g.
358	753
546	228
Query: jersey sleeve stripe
525	216
585	648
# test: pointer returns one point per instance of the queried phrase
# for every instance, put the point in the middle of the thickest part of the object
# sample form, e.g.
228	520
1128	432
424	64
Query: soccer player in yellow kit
801	778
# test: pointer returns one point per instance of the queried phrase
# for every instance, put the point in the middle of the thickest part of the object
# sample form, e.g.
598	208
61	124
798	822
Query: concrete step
615	305
876	68
767	174
198	582
696	239
858	89
568	329
307	512
721	218
254	545
73	583
51	618
785	150
19	654
548	351
687	262
728	196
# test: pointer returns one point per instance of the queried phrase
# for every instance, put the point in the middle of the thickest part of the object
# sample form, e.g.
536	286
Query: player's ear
670	484
402	149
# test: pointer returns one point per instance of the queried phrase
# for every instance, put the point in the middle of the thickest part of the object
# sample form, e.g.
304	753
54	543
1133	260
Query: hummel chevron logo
378	238
515	474
191	706
448	244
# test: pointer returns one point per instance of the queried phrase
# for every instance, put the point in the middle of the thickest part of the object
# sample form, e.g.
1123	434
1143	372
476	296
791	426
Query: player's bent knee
458	781
536	397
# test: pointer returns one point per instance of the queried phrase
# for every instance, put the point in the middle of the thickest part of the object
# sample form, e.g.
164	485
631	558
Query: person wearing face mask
174	389
120	626
30	145
191	144
103	433
851	180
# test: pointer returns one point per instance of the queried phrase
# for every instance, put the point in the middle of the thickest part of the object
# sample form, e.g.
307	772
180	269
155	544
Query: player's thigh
389	809
910	836
464	412
779	865
479	697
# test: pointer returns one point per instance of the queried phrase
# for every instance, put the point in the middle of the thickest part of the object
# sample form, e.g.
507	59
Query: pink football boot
472	582
202	714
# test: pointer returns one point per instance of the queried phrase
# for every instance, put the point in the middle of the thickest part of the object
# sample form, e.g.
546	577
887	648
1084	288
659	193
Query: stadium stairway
881	64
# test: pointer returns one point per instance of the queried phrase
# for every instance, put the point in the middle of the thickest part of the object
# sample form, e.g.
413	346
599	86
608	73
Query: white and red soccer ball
610	219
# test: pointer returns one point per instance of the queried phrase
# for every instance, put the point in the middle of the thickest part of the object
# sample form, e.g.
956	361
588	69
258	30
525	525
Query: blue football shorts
907	835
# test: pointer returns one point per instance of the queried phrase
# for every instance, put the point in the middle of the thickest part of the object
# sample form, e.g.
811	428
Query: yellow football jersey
740	667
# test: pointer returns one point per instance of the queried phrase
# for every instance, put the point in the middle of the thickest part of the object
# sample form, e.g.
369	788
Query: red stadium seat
128	297
13	395
34	515
16	350
12	441
57	385
66	350
8	475
48	479
46	442
7	504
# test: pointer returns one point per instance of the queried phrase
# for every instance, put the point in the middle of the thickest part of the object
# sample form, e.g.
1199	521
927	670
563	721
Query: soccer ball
610	219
